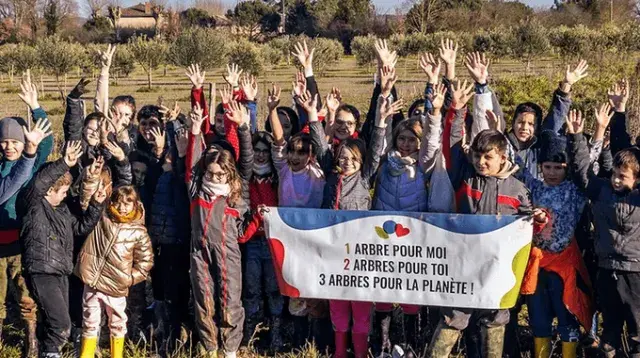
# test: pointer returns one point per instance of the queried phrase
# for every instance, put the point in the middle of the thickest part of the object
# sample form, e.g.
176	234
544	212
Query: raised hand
226	95
197	119
437	97
233	75
249	87
80	88
495	122
196	76
41	130
388	109
239	114
388	78
299	84
308	102
448	51
603	115
619	95
158	140
575	122
170	114
462	93
116	119
106	57
478	66
29	91
273	98
95	168
115	150
73	152
571	77
384	56
303	55
332	102
430	67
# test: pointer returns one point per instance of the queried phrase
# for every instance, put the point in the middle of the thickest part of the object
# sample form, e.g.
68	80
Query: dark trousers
76	290
51	293
260	280
619	293
173	268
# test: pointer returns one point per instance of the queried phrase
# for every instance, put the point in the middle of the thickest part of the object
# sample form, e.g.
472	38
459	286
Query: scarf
336	141
262	169
124	219
214	190
399	164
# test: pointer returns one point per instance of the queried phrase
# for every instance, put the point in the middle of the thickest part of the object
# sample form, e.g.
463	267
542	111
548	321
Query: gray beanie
11	128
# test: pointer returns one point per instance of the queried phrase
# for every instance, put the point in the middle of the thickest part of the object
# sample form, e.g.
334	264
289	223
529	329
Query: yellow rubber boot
542	347
569	349
88	347
117	347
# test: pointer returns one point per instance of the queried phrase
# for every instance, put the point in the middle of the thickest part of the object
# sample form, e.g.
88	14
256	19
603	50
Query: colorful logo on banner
390	227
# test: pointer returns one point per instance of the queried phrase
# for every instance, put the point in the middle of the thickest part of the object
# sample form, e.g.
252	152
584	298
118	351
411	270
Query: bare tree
96	7
212	7
55	12
422	14
16	10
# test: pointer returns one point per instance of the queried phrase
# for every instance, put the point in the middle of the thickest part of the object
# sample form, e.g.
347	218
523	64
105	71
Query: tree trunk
11	74
149	78
165	71
42	84
60	90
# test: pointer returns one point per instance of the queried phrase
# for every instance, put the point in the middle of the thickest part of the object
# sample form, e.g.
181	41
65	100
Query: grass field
355	82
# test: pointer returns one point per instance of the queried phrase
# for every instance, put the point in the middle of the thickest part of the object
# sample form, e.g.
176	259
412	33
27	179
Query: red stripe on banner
277	253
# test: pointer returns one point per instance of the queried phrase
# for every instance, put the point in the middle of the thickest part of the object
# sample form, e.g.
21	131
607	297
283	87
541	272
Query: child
490	175
115	256
47	241
259	276
401	185
13	145
300	184
217	221
348	188
616	223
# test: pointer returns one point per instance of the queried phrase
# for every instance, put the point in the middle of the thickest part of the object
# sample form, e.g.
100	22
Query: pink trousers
343	312
407	309
92	303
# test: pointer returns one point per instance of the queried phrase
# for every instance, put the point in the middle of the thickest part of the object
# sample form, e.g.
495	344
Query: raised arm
578	150
101	101
74	114
197	78
250	90
318	134
478	66
561	102
195	145
431	68
240	116
432	141
618	97
29	95
375	149
278	150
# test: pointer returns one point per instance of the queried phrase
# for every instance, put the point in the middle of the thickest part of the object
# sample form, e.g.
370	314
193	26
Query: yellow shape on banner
518	265
383	234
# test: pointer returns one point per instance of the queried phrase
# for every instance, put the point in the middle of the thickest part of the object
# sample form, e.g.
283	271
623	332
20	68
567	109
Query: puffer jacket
170	222
616	215
47	232
115	256
400	193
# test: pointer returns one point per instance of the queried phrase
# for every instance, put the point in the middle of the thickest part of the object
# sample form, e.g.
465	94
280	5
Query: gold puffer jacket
115	256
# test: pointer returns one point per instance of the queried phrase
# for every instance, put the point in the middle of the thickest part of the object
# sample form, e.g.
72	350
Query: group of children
154	193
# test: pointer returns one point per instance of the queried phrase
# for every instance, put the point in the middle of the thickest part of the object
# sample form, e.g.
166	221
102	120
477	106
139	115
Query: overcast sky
383	6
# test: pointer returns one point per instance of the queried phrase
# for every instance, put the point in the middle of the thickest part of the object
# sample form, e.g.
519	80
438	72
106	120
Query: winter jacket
17	177
528	152
115	256
301	190
9	221
170	211
47	232
616	221
348	192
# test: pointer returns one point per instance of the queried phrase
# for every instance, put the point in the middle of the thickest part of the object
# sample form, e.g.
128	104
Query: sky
383	6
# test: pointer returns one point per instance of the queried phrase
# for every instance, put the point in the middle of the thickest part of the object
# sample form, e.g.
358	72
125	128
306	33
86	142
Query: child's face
298	160
407	143
623	179
554	173
139	171
55	197
124	207
126	111
524	126
489	163
12	149
348	163
219	123
215	174
345	125
261	153
90	133
146	125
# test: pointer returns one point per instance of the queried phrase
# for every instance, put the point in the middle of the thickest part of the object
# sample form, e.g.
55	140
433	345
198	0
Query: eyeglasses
343	123
219	176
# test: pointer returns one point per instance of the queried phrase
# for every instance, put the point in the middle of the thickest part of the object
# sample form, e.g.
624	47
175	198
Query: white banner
474	261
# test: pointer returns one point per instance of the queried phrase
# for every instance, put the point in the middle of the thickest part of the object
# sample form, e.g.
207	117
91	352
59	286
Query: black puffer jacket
170	219
47	232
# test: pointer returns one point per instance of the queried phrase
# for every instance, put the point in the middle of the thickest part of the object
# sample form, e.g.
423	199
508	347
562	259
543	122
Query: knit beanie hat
11	128
553	148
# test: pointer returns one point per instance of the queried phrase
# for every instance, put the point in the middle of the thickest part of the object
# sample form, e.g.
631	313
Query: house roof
139	10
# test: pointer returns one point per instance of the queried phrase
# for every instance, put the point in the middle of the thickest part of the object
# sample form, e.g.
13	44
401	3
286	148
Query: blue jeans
545	304
260	280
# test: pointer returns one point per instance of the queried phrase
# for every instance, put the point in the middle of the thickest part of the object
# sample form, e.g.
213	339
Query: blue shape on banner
313	219
389	227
